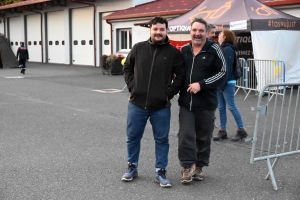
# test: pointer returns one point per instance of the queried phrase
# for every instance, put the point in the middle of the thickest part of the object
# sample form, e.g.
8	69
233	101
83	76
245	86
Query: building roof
173	7
156	8
22	3
280	2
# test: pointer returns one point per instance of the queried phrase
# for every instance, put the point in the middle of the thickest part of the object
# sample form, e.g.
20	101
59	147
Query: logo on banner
212	14
179	44
205	14
281	24
264	11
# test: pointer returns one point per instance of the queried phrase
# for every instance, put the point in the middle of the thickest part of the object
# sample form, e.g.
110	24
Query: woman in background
226	91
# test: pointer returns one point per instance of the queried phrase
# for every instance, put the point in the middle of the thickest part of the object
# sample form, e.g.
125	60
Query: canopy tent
274	34
242	15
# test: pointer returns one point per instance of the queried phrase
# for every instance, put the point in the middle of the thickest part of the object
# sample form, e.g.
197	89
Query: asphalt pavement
62	137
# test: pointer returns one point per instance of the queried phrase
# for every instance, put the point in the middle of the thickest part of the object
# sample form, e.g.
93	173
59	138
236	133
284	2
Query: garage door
15	33
2	26
82	36
34	37
55	37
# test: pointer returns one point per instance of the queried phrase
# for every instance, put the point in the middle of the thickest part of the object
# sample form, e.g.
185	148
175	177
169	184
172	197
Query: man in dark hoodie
205	71
23	55
148	72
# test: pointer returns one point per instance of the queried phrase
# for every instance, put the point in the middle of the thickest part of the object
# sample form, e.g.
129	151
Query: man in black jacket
23	55
148	73
205	71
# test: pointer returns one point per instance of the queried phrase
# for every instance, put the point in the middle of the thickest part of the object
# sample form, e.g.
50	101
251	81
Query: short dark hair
200	20
210	26
158	19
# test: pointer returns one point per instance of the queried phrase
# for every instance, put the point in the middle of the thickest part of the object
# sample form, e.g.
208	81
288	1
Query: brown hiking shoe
198	175
187	174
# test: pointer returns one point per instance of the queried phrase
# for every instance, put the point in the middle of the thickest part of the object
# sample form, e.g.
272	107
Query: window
16	43
63	42
34	43
11	43
75	42
91	42
40	42
29	43
50	42
56	42
124	39
82	42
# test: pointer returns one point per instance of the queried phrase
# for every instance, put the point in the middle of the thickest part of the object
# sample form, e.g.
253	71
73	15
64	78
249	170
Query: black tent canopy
242	15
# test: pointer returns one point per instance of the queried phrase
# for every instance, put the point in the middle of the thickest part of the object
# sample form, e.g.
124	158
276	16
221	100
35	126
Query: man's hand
194	88
174	76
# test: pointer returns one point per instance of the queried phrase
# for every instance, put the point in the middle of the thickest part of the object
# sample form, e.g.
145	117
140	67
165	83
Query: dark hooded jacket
229	53
208	68
148	72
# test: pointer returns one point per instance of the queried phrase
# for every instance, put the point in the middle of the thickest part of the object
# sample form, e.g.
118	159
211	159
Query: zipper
194	56
191	102
148	89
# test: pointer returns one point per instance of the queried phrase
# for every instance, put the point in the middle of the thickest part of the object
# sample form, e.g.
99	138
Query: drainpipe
42	49
94	21
111	37
4	26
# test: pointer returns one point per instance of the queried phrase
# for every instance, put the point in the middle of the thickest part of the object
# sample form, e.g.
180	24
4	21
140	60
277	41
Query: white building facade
75	33
69	34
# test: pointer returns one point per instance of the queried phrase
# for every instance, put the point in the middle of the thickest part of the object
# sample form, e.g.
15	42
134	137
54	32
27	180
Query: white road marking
108	90
13	76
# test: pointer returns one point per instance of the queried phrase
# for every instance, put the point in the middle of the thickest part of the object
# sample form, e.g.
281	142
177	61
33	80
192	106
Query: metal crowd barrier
258	73
242	83
277	125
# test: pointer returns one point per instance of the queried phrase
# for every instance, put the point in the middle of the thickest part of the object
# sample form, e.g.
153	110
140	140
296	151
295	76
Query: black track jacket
208	68
148	73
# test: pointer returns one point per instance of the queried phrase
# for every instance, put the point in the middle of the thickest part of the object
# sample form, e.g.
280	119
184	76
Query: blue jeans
136	121
227	98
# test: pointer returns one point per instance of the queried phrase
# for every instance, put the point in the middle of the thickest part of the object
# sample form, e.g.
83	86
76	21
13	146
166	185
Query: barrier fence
277	125
242	83
258	73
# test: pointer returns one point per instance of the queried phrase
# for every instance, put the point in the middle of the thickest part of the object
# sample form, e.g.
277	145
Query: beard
158	41
198	41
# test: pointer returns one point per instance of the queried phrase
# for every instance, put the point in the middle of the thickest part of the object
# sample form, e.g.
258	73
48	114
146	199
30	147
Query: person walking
205	71
23	55
226	91
148	73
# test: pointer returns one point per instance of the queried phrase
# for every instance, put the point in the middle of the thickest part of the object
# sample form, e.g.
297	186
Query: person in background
205	71
148	73
23	55
211	32
226	91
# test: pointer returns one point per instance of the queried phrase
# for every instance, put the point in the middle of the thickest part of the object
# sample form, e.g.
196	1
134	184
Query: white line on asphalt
108	90
13	76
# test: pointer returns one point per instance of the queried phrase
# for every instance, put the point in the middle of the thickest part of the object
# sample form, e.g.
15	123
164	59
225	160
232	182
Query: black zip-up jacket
208	68
148	73
22	53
